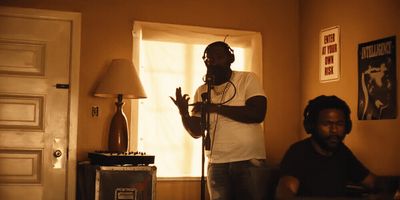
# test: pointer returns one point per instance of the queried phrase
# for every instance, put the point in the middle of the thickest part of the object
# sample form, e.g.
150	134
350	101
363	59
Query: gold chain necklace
225	88
220	92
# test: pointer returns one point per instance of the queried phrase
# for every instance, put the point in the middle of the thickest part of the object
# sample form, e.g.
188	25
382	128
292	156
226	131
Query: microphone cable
217	114
233	95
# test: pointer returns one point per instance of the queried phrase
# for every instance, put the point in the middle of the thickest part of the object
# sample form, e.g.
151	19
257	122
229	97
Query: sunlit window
166	66
170	56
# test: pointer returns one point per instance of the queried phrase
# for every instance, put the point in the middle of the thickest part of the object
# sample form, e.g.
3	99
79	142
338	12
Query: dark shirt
322	175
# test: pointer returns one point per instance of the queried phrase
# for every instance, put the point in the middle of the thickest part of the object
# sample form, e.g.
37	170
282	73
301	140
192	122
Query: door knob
57	153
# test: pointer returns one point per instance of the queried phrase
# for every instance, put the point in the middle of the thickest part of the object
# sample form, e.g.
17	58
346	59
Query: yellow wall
290	32
376	143
106	34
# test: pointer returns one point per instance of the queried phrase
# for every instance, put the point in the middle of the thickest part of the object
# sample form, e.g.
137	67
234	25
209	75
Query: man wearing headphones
322	165
237	168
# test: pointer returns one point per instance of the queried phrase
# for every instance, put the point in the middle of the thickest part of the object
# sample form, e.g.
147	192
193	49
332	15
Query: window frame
202	35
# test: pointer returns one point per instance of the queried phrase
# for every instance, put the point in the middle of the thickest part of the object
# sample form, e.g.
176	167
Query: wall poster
377	79
329	67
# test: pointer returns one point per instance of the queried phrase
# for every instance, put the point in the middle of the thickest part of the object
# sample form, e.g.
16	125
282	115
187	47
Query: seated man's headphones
322	102
228	50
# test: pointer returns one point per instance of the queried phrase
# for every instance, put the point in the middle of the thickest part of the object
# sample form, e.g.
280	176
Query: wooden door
37	121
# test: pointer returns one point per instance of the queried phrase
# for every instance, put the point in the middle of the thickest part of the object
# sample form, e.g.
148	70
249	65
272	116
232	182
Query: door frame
74	19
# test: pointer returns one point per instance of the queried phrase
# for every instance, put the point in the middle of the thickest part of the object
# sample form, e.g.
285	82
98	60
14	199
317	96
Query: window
169	56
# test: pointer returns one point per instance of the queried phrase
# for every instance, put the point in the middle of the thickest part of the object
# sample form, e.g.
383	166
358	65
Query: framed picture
329	50
377	79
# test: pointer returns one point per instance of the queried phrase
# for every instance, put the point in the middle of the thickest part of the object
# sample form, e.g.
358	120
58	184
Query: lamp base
118	134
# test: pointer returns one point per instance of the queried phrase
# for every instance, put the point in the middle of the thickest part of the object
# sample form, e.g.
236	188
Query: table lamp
120	81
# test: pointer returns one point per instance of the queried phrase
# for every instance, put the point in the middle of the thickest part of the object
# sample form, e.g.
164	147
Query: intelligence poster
377	79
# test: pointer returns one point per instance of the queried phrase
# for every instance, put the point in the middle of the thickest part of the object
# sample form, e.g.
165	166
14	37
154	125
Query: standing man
322	165
237	168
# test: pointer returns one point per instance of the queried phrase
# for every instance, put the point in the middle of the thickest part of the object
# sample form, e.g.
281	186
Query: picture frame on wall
329	51
377	79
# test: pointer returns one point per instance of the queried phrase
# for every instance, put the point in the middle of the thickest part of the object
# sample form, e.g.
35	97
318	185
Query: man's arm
253	111
191	123
369	181
287	187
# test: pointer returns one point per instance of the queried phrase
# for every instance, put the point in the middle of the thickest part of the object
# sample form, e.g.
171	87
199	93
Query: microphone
204	96
209	78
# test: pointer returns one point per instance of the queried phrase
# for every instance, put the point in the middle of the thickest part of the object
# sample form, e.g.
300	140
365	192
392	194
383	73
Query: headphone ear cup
308	125
231	53
231	58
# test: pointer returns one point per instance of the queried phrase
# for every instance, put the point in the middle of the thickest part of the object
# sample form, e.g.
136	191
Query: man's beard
221	74
330	143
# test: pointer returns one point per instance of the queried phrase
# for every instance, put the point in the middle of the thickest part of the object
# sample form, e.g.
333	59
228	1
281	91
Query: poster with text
329	67
377	79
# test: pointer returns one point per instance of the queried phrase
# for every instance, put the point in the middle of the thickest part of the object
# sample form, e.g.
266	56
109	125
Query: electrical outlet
95	111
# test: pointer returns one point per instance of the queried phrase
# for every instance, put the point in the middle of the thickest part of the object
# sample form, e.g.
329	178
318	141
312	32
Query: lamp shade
120	79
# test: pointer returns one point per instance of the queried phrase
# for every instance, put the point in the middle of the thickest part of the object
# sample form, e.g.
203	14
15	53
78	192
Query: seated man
322	165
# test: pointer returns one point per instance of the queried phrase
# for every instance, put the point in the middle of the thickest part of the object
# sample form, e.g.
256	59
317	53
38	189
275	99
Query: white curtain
168	56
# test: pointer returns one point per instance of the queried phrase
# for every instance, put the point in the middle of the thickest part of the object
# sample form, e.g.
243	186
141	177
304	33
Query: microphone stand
205	127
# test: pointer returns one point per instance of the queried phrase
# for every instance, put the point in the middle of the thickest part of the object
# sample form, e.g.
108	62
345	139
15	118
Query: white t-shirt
232	140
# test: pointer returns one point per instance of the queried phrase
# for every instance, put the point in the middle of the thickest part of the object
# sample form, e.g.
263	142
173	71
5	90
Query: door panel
35	55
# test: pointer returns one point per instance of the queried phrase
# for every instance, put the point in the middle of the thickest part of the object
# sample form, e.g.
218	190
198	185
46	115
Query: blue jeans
243	180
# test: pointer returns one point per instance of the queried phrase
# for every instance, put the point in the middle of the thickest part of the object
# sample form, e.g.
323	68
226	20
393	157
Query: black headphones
322	102
229	51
